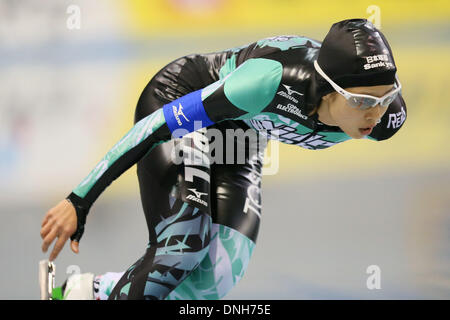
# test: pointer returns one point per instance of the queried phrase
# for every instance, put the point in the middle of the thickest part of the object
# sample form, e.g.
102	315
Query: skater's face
354	122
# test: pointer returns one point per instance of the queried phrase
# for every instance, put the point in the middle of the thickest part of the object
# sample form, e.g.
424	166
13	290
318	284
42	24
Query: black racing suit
203	216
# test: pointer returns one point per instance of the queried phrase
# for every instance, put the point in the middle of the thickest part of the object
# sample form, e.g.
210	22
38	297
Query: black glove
82	209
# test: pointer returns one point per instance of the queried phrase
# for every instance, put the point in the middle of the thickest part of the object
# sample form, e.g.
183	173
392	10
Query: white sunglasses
362	101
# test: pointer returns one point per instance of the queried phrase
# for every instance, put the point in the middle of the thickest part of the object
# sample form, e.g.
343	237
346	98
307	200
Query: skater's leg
236	214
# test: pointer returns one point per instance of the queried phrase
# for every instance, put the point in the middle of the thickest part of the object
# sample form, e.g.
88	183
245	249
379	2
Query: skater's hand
59	222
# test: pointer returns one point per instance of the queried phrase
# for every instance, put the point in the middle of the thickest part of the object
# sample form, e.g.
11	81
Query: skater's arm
243	93
141	139
68	217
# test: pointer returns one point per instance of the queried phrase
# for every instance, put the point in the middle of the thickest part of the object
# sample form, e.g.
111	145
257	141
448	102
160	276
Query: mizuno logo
178	113
198	194
290	91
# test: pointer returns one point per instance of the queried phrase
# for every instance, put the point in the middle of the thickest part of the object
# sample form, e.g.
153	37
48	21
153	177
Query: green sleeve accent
228	66
136	135
286	42
253	85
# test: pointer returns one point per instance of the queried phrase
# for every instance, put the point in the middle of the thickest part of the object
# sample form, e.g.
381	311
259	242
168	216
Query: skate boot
76	287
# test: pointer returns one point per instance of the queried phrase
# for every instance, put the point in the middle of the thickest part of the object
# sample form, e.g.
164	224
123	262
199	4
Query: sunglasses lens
388	100
353	102
369	102
361	103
